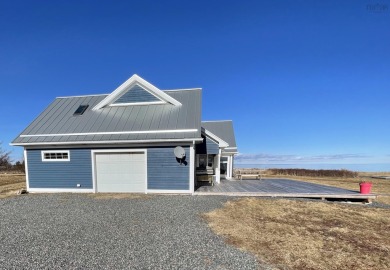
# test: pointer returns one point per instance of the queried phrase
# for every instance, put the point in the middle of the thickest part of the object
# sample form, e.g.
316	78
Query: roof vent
81	109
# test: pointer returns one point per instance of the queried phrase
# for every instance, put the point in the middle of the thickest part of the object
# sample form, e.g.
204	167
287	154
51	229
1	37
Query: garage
120	172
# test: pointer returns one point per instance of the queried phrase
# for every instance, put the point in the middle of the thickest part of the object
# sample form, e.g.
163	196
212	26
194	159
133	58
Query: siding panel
208	146
164	172
60	174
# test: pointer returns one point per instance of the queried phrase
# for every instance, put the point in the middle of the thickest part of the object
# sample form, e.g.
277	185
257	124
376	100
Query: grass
10	184
306	235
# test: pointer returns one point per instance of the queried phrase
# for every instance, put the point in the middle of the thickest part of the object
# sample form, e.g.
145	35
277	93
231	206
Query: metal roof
157	122
224	130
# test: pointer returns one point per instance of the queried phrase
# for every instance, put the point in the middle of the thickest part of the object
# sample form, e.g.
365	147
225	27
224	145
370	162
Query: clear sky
303	81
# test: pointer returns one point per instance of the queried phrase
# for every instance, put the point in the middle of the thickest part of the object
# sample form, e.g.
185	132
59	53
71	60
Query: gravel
76	231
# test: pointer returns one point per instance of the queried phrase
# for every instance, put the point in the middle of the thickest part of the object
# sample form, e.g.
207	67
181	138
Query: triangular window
137	94
136	91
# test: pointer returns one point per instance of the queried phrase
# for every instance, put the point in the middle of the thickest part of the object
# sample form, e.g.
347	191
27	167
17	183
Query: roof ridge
210	121
95	95
183	89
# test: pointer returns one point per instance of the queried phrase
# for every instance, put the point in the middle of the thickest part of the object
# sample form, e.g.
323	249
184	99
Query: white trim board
26	169
59	190
110	142
221	142
168	191
109	146
137	103
133	80
111	133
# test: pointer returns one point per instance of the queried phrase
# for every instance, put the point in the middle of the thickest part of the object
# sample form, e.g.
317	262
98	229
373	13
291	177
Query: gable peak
130	92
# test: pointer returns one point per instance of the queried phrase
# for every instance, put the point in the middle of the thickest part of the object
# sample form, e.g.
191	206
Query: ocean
375	167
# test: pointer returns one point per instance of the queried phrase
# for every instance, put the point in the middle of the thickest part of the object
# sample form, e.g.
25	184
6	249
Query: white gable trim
111	133
221	142
133	80
138	103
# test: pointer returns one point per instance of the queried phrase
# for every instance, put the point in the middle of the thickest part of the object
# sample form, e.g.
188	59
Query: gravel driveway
71	231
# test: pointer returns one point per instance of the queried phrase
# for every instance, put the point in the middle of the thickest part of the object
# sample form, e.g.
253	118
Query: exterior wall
208	146
165	172
60	174
136	94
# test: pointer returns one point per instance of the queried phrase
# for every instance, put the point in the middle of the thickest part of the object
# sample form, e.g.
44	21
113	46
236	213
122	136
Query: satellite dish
179	152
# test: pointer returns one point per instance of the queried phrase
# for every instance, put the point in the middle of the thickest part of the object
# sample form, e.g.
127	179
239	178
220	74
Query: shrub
314	173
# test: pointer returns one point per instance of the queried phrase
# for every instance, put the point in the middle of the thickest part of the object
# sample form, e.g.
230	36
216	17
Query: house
136	139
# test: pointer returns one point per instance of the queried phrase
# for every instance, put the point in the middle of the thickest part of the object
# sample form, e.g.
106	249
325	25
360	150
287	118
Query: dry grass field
292	234
11	183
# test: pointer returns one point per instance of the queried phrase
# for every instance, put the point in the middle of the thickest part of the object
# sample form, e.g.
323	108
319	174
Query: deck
281	188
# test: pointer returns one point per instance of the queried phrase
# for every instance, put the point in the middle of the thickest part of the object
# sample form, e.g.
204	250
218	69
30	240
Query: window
81	109
210	161
205	161
202	161
55	156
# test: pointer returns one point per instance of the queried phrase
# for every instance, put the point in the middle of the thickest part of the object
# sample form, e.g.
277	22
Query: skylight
81	109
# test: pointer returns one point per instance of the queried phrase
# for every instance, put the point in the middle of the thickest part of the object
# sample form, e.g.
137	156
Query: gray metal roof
224	130
158	122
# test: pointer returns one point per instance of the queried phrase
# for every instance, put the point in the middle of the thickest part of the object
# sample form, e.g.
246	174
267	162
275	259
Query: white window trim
43	152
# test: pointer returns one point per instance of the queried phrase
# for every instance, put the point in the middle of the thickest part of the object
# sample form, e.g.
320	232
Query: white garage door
120	172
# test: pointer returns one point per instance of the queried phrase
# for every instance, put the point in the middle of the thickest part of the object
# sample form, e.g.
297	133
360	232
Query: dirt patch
108	196
306	235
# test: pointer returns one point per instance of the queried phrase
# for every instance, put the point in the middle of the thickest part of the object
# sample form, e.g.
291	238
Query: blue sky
303	81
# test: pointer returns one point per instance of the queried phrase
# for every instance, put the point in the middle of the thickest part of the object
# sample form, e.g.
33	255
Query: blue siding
164	172
136	94
208	146
60	174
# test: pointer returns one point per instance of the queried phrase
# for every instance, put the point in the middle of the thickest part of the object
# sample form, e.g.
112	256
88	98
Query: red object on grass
365	187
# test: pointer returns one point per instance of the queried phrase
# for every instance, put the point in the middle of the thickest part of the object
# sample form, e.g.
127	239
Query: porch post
231	165
192	168
217	166
228	170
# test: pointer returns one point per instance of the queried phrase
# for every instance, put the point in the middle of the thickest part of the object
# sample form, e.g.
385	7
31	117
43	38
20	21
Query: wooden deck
280	188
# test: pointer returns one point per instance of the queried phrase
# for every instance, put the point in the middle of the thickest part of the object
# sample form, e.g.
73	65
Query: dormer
134	92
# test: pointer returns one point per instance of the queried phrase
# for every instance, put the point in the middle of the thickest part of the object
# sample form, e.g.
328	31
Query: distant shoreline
374	167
